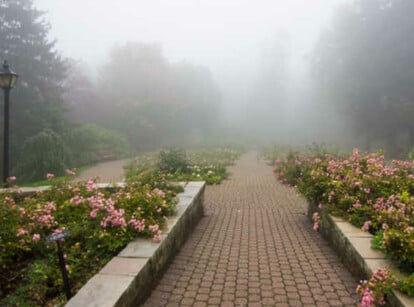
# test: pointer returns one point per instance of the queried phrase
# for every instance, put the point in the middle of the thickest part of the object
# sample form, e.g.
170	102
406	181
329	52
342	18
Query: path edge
128	278
353	247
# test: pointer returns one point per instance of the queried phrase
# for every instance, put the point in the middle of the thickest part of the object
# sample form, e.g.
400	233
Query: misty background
102	78
246	45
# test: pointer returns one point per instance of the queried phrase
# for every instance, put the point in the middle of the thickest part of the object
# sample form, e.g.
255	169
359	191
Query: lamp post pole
6	134
8	79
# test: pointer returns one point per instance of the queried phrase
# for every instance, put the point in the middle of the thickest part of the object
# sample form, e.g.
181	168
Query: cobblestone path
254	247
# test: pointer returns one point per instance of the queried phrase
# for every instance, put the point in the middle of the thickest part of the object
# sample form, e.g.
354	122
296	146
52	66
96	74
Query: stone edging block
354	249
128	278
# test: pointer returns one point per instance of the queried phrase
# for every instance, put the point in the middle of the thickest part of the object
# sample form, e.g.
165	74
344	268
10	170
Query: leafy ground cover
372	193
179	165
57	180
100	222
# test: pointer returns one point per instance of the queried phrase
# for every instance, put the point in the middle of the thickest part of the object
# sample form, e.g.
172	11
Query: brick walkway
254	247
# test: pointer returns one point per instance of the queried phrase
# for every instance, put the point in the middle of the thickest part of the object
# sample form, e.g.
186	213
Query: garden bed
128	278
176	164
354	248
100	220
371	193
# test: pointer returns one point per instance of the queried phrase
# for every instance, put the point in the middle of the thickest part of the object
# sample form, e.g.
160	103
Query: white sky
221	34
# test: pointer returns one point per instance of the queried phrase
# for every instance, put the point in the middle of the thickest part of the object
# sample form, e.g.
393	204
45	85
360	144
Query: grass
56	179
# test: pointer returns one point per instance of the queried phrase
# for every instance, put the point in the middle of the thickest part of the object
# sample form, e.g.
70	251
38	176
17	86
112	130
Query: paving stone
241	301
215	293
214	300
256	246
187	302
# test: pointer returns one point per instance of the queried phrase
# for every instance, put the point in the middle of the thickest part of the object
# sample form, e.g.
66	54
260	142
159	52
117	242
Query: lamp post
8	79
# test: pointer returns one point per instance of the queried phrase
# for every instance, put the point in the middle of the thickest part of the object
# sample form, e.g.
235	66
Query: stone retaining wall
354	248
128	278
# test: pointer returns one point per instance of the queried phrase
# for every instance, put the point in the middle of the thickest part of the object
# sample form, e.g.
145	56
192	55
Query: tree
83	103
198	97
364	62
36	102
135	73
153	102
43	153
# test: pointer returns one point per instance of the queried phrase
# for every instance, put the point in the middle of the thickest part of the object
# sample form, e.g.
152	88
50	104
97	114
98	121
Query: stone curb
129	277
353	246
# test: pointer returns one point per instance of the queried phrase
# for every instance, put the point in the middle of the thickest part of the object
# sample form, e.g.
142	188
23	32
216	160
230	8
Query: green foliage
55	180
36	102
376	242
141	164
367	75
42	279
42	153
88	144
173	160
407	285
48	152
159	104
375	290
398	244
320	151
372	193
101	223
177	165
410	154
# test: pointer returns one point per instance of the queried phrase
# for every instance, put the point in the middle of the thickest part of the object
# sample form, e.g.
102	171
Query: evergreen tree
36	102
364	61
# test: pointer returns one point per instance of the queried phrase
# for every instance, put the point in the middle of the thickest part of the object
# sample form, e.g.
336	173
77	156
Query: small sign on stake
56	238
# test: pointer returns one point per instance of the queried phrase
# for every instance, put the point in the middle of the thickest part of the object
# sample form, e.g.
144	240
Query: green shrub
177	165
410	154
100	222
372	193
173	160
42	153
87	143
407	285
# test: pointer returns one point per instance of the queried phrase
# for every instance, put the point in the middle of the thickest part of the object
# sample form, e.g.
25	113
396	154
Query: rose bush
101	222
374	290
372	193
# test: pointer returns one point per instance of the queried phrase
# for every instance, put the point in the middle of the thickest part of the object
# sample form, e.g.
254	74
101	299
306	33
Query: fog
186	72
220	34
235	39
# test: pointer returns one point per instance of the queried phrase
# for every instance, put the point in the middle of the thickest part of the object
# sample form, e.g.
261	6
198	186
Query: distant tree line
61	118
149	100
364	64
